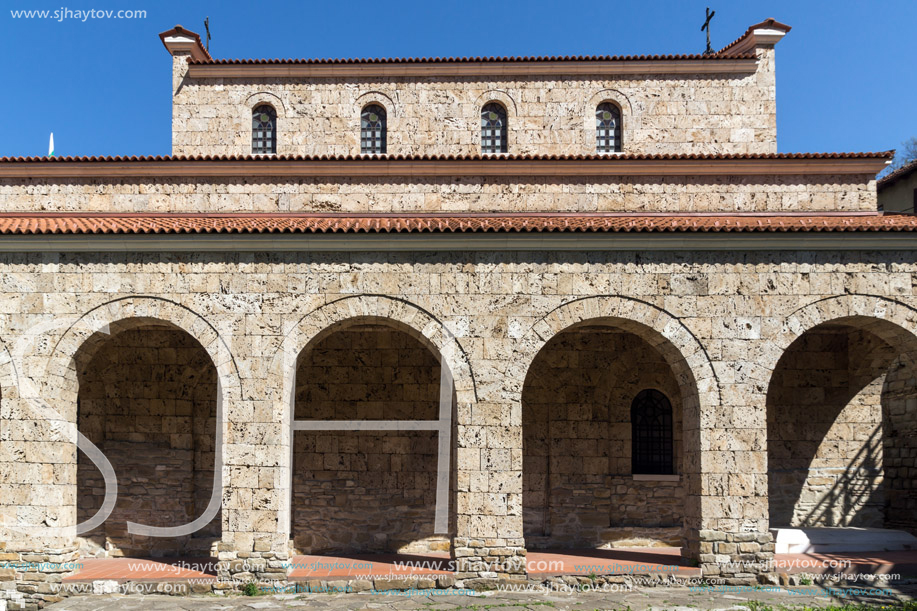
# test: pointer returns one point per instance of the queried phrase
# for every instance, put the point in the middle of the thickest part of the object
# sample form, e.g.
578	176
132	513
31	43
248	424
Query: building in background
897	192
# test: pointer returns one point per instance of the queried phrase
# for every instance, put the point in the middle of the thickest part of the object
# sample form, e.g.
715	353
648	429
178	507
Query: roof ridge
466	59
474	157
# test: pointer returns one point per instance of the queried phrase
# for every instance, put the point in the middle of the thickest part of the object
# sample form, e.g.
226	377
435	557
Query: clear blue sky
846	79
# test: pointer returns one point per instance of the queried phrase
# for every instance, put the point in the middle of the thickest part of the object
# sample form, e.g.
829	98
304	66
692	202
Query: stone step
831	540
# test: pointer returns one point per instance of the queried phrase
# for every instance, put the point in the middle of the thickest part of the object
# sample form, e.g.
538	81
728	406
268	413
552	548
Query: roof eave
407	167
732	65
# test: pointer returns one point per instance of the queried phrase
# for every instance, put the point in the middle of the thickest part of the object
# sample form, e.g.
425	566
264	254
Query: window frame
652	443
499	142
382	138
602	137
259	141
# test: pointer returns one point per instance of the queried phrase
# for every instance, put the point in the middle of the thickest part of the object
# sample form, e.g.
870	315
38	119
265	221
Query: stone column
728	511
488	544
256	456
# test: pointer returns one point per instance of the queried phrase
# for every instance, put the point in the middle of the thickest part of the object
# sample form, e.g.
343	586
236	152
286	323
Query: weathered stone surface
780	365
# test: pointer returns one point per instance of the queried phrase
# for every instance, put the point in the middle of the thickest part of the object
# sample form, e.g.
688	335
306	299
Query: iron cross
706	26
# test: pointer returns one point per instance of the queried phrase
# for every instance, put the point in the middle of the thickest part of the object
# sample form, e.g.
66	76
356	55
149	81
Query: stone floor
656	599
540	563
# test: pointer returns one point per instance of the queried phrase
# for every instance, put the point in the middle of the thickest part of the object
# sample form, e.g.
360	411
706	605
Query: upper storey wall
660	114
688	105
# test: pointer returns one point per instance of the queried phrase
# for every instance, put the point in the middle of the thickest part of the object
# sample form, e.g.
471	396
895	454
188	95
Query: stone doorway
367	491
580	486
147	399
842	432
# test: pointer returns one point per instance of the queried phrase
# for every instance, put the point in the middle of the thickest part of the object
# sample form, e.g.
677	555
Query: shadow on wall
835	432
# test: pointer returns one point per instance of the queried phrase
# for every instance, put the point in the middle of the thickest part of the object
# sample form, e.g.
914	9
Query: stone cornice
466	69
411	167
348	243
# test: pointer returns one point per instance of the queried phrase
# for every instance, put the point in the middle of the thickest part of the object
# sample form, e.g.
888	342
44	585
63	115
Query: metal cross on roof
706	26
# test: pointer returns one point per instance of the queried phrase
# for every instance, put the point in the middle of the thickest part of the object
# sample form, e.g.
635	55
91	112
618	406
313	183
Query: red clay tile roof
767	23
902	172
178	29
489	158
253	223
461	60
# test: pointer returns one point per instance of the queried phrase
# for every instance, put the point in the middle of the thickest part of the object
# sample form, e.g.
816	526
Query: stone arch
319	322
9	399
497	95
376	97
83	336
265	97
424	325
682	352
623	103
839	466
681	348
863	311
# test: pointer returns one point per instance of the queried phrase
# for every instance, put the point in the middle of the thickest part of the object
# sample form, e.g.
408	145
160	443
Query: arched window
651	433
372	130
607	128
264	130
493	128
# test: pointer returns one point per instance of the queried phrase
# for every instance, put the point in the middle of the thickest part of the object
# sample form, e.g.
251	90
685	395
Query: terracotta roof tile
465	60
489	158
179	30
767	23
902	172
133	224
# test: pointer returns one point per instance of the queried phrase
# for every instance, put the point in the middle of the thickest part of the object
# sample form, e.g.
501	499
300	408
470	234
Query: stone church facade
579	301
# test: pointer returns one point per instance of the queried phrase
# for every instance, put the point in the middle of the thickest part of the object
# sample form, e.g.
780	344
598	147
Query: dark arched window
493	128
372	130
607	128
264	130
651	433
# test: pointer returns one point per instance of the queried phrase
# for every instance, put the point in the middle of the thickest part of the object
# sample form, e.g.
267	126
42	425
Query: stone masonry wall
730	315
728	113
578	485
825	430
900	450
148	401
365	491
786	193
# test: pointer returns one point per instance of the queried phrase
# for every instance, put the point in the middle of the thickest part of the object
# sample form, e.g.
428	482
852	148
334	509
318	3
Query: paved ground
657	599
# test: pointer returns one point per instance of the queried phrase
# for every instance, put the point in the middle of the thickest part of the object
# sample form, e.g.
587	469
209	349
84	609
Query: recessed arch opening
579	486
148	397
842	426
360	489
